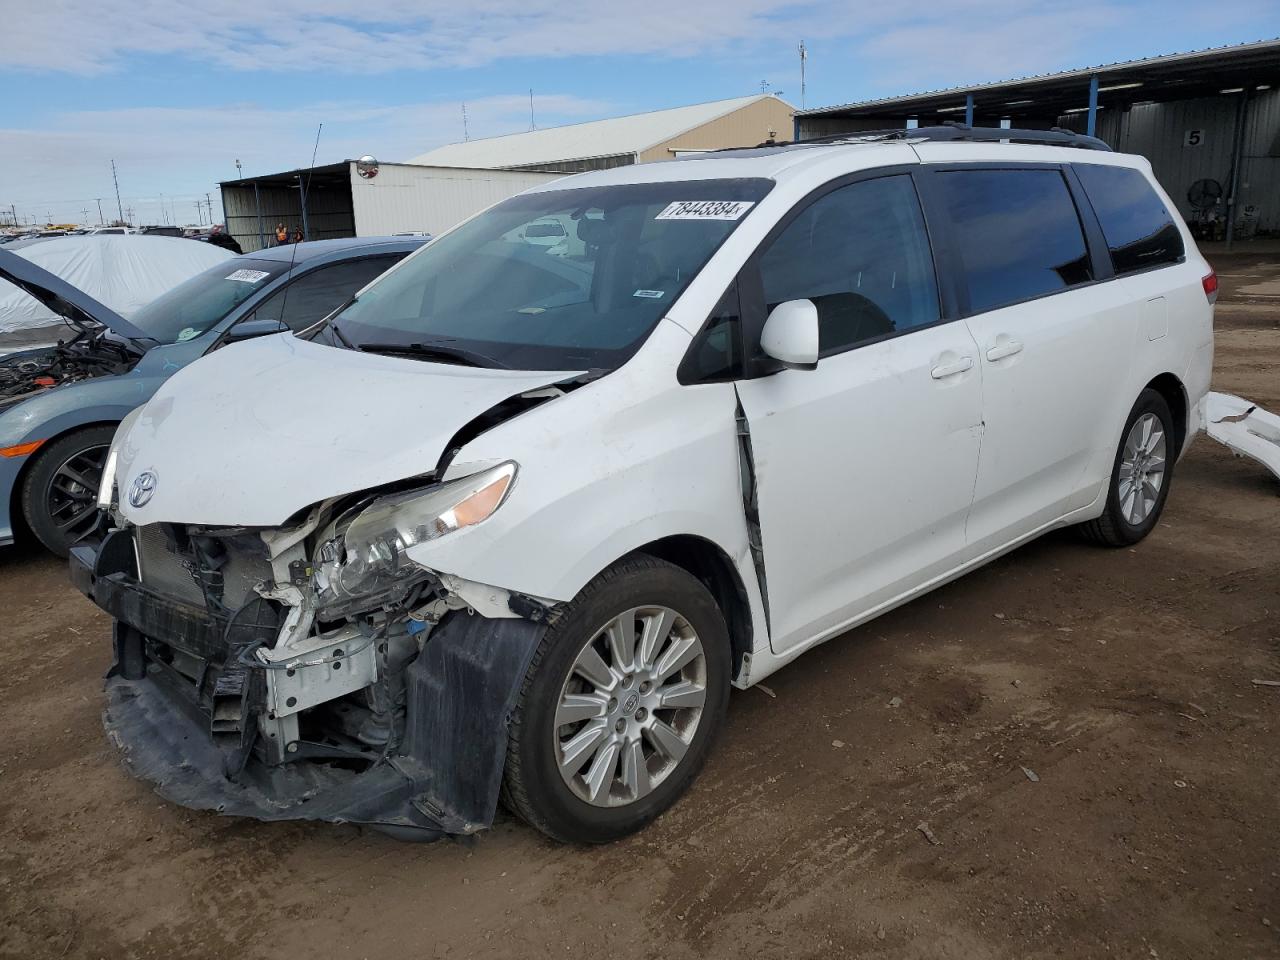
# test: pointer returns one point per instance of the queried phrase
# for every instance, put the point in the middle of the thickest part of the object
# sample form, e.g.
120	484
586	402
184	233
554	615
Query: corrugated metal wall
404	197
329	212
1159	132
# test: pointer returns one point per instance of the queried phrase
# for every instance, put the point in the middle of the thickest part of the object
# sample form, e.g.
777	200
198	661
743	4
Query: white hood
255	432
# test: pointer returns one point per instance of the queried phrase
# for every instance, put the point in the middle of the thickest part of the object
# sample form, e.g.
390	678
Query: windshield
504	286
191	308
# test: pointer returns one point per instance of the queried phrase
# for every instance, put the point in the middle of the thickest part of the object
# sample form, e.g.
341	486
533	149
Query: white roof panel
580	141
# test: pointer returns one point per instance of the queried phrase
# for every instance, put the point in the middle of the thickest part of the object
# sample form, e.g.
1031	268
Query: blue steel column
968	109
1093	106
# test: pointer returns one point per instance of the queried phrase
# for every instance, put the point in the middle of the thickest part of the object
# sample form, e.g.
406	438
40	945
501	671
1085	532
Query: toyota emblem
143	486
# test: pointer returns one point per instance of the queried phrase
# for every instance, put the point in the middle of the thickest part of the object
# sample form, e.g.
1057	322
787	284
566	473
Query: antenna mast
119	205
532	124
804	55
465	134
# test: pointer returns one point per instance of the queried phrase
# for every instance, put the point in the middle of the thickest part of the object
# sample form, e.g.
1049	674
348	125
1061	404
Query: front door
864	467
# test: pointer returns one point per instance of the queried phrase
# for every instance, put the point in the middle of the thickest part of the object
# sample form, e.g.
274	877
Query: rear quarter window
1139	230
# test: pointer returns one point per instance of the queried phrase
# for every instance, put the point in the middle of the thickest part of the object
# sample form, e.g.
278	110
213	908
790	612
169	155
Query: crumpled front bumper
443	778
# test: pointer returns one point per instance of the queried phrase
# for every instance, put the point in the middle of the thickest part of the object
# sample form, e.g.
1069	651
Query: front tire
60	492
1140	475
621	704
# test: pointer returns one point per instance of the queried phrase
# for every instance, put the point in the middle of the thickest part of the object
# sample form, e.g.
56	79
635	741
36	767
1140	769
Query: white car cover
122	272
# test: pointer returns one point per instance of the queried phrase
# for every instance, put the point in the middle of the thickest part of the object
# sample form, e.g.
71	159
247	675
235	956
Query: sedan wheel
72	495
60	489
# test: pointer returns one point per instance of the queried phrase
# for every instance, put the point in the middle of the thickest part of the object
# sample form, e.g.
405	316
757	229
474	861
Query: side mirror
248	329
790	334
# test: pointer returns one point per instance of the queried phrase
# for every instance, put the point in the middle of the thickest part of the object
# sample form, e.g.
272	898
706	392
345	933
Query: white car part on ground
1245	427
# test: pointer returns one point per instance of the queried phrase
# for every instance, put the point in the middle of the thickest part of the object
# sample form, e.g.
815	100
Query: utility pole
129	211
239	175
804	55
119	207
209	206
465	134
13	211
199	213
84	215
99	199
532	124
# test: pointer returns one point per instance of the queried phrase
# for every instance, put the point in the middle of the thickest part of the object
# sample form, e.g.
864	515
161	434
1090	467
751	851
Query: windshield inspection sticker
650	294
247	276
187	333
705	210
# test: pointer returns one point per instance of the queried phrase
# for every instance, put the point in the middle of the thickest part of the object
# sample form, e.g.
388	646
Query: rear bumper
443	777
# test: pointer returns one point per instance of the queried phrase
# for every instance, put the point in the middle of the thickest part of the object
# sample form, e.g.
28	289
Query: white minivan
510	524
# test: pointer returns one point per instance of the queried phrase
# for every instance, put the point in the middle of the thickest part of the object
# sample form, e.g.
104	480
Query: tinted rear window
1139	230
1018	234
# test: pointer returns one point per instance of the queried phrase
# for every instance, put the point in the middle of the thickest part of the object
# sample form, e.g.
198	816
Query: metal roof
1166	77
615	136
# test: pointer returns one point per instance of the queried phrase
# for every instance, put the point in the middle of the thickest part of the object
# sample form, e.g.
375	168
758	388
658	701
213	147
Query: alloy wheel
1142	469
628	711
72	496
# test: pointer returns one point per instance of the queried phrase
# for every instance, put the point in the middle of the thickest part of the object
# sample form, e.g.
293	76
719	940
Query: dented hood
256	431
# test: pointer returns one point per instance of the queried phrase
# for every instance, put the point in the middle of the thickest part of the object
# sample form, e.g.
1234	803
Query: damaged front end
314	671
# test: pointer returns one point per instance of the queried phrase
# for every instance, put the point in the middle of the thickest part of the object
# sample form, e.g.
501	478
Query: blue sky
176	93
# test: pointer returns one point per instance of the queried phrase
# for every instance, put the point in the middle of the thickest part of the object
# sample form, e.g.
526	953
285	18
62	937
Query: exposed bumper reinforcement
444	778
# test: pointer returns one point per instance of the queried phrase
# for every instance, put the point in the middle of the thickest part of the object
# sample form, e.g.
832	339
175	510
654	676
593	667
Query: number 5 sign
1193	138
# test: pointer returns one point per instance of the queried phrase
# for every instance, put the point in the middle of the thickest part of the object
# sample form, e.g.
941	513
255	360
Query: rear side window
315	295
1138	228
1018	234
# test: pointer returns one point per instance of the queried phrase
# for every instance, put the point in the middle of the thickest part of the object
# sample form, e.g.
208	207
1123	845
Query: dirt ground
1077	727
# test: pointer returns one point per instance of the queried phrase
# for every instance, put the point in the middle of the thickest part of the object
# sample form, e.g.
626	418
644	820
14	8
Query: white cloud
88	36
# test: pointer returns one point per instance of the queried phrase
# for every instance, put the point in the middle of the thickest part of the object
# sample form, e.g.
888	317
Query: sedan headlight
370	557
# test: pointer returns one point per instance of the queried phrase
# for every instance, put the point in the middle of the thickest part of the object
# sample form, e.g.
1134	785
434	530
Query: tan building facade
620	141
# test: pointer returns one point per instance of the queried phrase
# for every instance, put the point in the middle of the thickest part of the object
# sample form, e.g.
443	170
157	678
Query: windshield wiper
439	348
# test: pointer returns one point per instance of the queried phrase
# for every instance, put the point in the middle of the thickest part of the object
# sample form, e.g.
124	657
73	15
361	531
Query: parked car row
60	405
513	521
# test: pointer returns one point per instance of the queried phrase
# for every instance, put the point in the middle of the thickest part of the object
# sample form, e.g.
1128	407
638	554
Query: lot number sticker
705	210
247	276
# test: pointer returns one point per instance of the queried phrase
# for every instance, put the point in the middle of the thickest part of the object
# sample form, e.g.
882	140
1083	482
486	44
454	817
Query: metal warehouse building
619	141
401	198
1208	120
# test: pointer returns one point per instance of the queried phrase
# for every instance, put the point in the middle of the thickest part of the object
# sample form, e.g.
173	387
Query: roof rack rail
951	131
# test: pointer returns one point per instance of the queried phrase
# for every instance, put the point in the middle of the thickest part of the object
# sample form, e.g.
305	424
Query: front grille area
173	562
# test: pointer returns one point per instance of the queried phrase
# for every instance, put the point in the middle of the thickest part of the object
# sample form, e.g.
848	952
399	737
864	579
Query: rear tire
60	491
1140	475
621	704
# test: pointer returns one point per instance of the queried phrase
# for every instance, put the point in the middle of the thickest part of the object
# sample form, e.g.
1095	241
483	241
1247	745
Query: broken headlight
370	556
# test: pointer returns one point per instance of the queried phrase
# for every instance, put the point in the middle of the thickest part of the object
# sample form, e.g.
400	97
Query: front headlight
107	485
370	557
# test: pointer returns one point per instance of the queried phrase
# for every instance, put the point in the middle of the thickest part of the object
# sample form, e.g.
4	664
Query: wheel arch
710	565
1175	395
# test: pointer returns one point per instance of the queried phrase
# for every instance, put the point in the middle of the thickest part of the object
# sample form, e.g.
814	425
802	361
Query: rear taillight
1210	284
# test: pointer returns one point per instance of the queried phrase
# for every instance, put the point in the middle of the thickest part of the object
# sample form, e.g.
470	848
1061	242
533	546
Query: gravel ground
1077	729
